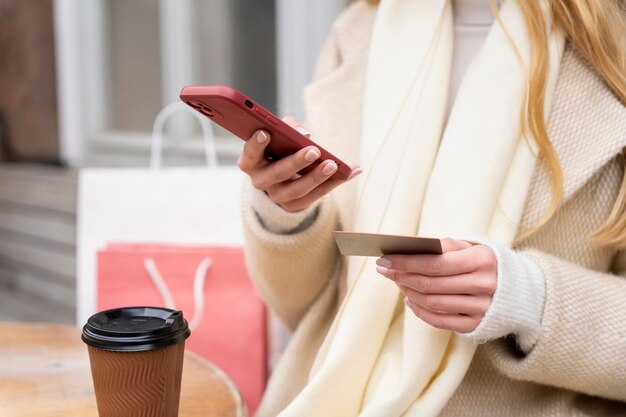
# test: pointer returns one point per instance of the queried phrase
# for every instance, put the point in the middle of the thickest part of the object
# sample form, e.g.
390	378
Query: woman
538	329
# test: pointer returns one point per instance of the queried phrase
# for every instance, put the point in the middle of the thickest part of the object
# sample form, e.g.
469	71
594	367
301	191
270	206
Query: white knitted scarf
469	177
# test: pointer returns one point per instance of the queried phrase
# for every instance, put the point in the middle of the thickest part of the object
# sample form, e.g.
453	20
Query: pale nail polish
382	270
311	155
386	263
356	173
261	137
329	169
303	131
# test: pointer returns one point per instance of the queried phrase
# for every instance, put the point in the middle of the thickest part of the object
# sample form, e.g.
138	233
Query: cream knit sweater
579	355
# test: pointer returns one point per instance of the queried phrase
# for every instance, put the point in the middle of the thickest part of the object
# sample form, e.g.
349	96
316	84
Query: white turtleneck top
472	21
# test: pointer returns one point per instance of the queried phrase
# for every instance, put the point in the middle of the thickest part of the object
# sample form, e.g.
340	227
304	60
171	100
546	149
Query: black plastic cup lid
135	329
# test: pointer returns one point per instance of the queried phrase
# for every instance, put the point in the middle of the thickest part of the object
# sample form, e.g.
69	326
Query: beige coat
578	366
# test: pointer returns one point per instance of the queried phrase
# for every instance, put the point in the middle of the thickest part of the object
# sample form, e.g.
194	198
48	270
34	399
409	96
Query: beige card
373	244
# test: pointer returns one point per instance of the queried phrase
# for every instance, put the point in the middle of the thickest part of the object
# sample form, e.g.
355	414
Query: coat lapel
587	127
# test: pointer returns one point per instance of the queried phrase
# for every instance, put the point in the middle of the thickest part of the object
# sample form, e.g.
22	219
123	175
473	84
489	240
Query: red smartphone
241	116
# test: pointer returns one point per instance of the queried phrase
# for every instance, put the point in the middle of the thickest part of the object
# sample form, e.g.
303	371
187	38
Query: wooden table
44	371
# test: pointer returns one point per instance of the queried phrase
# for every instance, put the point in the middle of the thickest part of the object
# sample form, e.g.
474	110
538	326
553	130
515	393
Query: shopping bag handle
157	134
198	288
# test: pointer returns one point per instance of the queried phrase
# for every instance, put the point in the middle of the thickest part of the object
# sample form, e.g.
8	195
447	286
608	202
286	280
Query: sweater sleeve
277	220
518	302
291	257
582	339
290	270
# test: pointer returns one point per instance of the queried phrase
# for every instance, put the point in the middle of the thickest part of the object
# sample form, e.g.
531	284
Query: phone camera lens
207	111
249	104
195	104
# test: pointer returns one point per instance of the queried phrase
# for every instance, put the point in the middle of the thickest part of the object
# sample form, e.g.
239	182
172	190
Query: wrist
517	305
277	220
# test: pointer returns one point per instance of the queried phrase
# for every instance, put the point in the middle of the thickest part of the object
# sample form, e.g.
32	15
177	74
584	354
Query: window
120	61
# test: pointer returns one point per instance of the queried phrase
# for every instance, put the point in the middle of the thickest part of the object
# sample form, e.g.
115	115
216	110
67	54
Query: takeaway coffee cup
136	356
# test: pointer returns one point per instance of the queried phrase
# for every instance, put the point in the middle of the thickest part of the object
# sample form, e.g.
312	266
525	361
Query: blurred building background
81	82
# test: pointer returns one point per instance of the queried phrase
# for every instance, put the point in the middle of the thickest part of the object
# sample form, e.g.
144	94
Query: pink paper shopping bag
211	286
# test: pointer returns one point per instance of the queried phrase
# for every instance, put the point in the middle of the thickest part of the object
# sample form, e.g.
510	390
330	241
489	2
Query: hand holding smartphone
242	117
286	165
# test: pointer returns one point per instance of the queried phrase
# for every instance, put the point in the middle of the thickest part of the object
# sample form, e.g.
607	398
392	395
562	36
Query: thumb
450	245
296	124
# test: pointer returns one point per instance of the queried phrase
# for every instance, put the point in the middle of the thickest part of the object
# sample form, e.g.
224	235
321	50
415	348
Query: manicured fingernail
355	173
386	263
311	155
382	270
329	169
303	131
261	136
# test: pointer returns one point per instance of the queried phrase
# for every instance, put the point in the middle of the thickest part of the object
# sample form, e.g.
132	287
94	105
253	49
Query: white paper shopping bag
198	205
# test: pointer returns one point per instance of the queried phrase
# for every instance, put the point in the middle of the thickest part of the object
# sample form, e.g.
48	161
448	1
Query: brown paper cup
137	384
136	356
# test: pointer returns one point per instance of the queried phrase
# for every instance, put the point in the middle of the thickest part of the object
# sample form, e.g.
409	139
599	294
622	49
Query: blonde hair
597	30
